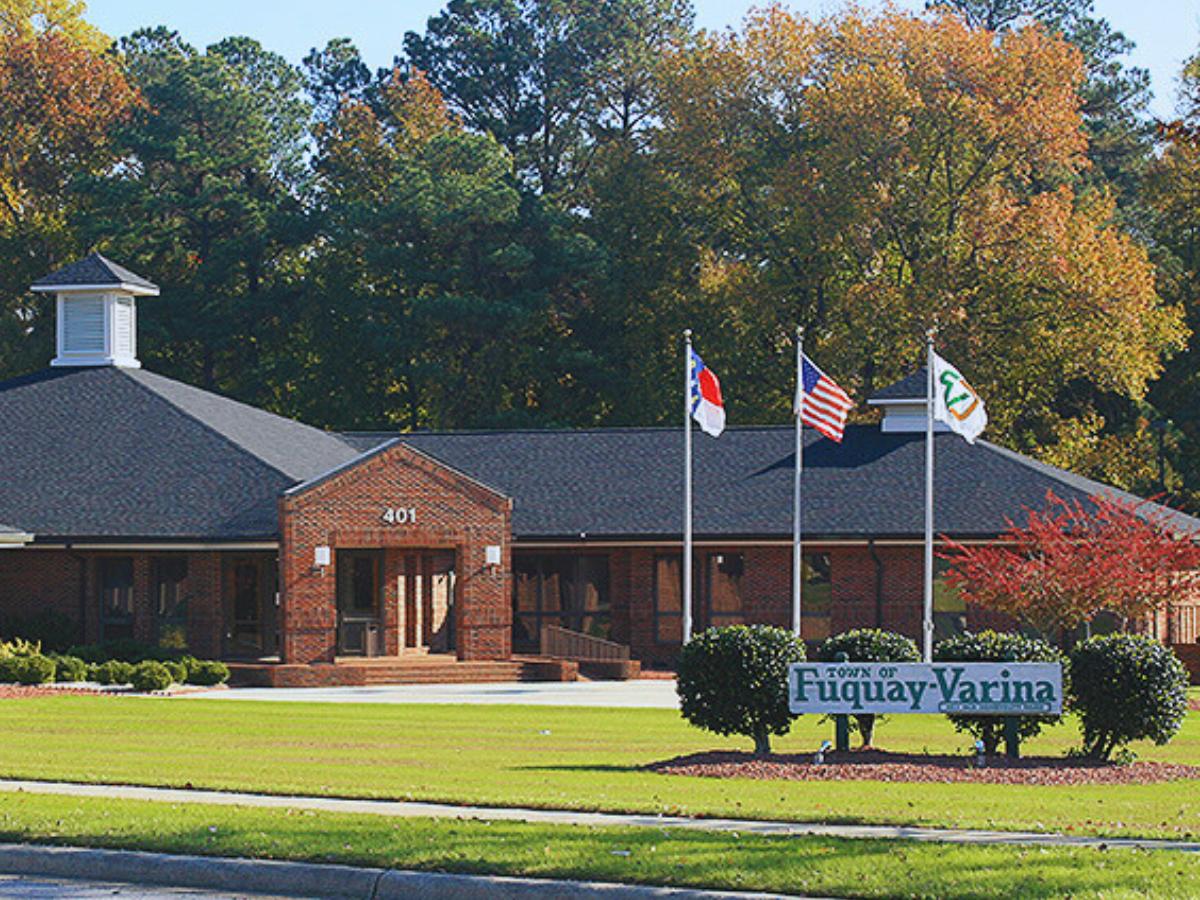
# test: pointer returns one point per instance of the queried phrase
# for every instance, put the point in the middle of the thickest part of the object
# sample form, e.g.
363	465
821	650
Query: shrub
733	680
69	668
869	645
150	675
19	647
1126	687
995	646
208	672
114	671
30	669
177	669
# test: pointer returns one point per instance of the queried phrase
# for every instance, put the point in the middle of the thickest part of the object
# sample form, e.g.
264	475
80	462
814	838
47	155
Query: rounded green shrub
70	668
177	669
869	645
35	669
113	671
150	675
1126	687
997	646
208	672
733	680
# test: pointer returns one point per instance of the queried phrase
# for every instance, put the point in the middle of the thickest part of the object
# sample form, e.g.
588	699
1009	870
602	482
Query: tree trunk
762	742
866	727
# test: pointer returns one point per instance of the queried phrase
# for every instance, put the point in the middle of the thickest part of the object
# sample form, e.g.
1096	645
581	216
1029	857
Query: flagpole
797	556
927	613
687	485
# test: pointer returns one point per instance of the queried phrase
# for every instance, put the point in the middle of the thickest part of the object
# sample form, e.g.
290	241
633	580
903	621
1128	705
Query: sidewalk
656	693
409	809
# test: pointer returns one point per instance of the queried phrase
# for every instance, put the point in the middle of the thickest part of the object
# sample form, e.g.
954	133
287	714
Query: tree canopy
513	223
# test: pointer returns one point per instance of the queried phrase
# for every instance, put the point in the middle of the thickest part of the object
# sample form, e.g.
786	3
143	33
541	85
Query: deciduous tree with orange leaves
872	173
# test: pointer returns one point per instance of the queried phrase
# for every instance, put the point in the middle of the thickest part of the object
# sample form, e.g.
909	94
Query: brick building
137	506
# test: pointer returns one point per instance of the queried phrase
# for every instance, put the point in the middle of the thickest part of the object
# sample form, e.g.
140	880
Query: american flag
825	404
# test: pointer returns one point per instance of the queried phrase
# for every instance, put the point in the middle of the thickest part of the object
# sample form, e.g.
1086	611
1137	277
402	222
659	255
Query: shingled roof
912	387
124	453
627	483
93	269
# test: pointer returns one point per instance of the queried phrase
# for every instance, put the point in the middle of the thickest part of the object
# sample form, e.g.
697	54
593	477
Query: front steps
415	669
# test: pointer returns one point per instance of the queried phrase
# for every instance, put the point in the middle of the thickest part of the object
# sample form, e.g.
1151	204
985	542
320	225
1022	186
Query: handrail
563	643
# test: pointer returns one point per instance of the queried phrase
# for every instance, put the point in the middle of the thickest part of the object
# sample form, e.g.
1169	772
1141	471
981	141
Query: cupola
904	405
96	313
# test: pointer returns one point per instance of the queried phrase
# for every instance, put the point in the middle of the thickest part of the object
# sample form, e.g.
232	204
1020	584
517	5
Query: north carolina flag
708	409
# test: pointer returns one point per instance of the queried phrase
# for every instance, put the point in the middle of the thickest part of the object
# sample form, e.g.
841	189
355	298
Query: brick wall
345	511
881	589
34	581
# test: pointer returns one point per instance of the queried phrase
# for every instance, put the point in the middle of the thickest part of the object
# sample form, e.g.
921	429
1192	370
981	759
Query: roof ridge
204	425
565	429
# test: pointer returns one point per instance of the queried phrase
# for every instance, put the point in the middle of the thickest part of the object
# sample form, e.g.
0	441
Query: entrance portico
389	555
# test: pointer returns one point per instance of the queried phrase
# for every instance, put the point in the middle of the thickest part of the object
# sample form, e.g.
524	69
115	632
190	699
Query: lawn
819	866
547	757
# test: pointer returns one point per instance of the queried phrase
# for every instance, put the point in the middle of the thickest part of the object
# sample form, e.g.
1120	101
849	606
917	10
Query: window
816	597
724	589
116	597
949	609
559	589
170	572
668	600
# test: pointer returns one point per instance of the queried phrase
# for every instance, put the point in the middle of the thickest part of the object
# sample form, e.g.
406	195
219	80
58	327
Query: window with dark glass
816	596
170	573
116	596
668	599
949	609
559	589
723	586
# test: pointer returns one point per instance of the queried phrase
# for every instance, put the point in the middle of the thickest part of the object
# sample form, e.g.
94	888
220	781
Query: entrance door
427	590
251	618
359	583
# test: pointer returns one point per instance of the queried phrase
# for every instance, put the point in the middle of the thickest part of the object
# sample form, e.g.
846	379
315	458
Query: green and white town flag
955	401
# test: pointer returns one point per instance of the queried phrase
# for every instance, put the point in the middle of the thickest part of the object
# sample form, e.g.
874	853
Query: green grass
819	866
498	755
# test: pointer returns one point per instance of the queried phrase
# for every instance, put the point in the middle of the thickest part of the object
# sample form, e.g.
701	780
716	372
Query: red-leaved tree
1074	560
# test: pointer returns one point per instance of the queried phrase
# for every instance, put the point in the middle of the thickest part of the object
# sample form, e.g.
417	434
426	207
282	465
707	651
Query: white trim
138	290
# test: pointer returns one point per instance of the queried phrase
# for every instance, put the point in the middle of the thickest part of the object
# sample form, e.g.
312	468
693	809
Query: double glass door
425	589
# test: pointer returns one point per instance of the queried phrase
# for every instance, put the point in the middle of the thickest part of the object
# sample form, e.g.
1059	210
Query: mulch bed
19	691
879	765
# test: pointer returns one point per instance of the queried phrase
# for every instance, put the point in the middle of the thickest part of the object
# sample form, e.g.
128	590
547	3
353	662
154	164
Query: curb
317	879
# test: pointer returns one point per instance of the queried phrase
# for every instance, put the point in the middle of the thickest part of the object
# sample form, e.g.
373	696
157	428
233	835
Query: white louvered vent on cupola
97	315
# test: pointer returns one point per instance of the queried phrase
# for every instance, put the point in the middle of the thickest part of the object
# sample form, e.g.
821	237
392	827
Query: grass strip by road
819	866
548	757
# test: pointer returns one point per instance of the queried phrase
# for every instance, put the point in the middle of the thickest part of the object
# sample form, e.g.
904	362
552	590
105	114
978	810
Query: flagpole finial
687	335
799	332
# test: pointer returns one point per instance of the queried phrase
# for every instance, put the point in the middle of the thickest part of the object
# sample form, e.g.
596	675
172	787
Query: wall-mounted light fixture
322	557
492	555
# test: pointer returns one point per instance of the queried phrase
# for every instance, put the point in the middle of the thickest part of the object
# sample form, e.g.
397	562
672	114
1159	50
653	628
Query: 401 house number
400	515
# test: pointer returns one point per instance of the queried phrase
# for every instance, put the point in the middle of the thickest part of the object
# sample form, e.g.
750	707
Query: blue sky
1166	31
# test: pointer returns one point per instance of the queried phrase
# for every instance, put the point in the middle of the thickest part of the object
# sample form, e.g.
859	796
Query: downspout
878	581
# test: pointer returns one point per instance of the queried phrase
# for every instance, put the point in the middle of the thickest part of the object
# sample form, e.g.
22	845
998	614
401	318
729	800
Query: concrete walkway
644	693
405	809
